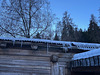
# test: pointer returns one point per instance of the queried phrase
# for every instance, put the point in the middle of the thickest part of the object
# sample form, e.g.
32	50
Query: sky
80	10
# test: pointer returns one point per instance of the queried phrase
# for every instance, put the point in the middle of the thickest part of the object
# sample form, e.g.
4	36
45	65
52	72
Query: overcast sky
80	10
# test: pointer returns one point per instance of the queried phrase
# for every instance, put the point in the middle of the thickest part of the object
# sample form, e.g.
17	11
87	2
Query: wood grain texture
30	62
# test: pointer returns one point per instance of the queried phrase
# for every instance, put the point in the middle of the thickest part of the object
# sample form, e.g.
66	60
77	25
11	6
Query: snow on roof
80	45
35	40
87	54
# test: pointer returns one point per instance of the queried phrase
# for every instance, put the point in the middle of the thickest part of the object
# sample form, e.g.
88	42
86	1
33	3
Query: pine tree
64	33
93	31
38	36
59	29
76	34
68	30
56	37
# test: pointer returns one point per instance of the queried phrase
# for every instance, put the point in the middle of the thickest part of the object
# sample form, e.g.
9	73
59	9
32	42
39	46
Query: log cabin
24	56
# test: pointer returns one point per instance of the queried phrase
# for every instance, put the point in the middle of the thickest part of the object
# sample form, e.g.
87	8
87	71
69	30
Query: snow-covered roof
35	40
80	45
87	54
48	41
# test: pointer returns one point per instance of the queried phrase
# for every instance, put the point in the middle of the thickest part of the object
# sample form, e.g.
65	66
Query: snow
80	45
87	54
35	40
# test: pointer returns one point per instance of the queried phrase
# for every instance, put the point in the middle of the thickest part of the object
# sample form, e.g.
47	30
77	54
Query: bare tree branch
25	17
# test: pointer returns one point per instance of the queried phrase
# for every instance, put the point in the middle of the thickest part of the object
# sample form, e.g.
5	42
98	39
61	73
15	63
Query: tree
93	31
59	29
25	17
83	36
68	29
76	34
38	36
56	37
64	32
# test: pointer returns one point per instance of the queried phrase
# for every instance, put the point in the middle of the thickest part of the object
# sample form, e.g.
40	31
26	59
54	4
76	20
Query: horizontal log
24	70
64	59
13	73
21	73
25	66
34	53
25	62
30	58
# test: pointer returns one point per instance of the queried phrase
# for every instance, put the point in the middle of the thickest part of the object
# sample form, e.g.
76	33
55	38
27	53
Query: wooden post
62	70
80	62
47	48
72	64
94	61
98	60
86	61
83	62
63	47
21	43
67	71
90	61
76	63
13	42
55	69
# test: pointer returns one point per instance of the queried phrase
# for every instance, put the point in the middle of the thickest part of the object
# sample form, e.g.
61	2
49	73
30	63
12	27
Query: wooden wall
30	62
